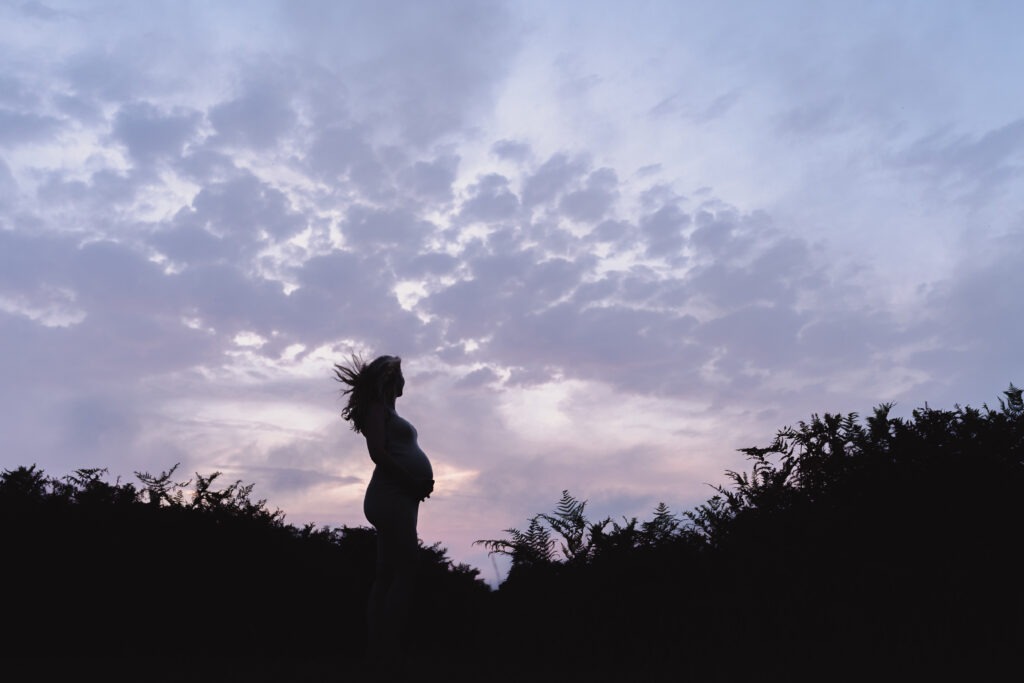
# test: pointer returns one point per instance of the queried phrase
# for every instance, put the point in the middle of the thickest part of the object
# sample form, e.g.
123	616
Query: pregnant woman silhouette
402	479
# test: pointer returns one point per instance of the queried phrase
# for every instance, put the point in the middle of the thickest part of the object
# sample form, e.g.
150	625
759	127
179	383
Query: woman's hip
388	507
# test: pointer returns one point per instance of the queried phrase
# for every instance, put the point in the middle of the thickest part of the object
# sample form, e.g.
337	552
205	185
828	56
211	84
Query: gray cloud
972	167
629	348
490	200
343	152
592	202
553	176
425	70
775	276
617	233
664	231
477	378
814	118
189	243
345	295
284	480
230	219
511	150
27	260
431	180
698	109
229	299
108	76
204	165
973	323
103	191
81	109
16	93
714	234
150	134
257	118
432	264
91	423
19	128
38	10
8	185
369	228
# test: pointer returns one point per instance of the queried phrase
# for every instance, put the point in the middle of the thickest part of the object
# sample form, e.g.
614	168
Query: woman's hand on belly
421	489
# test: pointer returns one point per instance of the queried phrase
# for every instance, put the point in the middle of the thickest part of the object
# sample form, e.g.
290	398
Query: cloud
16	93
108	76
369	228
38	10
629	348
431	180
490	200
343	150
973	168
478	378
150	134
664	232
103	192
21	128
971	317
8	185
229	220
551	178
592	202
285	480
511	150
91	423
676	105
189	243
258	118
813	118
431	264
423	71
343	295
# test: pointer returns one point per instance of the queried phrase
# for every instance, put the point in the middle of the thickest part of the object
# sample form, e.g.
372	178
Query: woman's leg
392	592
401	548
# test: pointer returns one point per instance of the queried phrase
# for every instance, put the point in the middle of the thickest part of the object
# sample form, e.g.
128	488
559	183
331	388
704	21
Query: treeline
880	547
173	574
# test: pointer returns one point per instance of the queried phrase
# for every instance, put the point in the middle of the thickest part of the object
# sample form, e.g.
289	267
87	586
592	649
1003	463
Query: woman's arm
375	430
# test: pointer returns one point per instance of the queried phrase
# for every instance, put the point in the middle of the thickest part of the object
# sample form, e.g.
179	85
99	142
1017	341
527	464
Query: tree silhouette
161	488
848	548
98	569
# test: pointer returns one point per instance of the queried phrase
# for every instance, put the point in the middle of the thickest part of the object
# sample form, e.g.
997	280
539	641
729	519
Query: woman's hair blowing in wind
365	382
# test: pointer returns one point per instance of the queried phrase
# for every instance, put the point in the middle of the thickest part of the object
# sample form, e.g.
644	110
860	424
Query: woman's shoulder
379	411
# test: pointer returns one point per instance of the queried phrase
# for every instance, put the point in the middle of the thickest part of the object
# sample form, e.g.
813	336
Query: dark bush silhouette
881	548
848	547
95	569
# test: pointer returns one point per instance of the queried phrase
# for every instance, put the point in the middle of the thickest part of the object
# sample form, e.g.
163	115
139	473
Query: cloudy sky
613	242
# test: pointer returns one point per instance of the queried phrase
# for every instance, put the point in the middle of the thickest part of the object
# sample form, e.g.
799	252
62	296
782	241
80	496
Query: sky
612	242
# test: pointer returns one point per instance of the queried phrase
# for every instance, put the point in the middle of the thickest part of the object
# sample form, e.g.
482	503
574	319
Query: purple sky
613	242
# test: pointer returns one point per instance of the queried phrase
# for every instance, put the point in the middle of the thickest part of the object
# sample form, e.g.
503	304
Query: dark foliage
174	578
852	549
849	549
